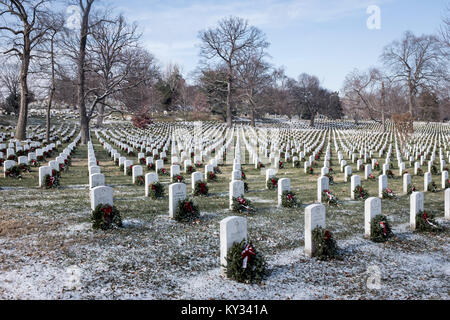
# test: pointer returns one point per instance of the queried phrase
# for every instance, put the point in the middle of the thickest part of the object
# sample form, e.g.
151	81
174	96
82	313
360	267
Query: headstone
196	176
236	190
177	192
43	171
323	183
150	178
101	195
382	184
347	173
232	229
372	208
355	181
426	181
96	180
136	172
406	182
416	205
284	184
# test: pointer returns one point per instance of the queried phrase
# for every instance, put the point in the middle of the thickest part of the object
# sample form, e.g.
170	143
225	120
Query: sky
327	38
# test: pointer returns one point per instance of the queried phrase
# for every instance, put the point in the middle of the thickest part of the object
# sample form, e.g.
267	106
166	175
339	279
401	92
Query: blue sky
322	37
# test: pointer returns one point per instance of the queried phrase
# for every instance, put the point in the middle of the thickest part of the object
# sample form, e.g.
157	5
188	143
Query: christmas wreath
330	178
186	211
432	187
198	164
261	165
434	171
116	162
388	194
315	164
371	177
106	217
310	170
24	167
177	179
190	169
12	157
425	222
420	172
330	198
297	164
14	172
130	171
245	264
390	174
140	180
324	246
411	188
376	167
163	172
380	229
362	168
142	161
404	172
211	176
40	158
201	189
280	165
242	205
447	183
156	190
121	167
288	199
51	181
361	193
217	170
245	187
243	176
272	183
151	167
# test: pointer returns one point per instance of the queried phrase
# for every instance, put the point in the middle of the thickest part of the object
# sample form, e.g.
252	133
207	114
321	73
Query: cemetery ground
47	234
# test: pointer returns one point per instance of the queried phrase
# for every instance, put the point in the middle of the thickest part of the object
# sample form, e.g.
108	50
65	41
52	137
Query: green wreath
156	191
106	217
186	211
380	229
425	222
288	199
324	246
255	270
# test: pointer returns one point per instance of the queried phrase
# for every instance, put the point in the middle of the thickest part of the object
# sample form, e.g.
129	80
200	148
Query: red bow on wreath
248	251
290	197
383	225
188	207
327	235
107	213
241	200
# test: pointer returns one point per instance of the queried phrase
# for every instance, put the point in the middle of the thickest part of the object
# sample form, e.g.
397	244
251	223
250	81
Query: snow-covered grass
48	249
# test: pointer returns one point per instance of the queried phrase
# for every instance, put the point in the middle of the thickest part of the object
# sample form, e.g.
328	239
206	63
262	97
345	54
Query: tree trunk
410	98
49	107
101	115
84	120
383	103
229	119
52	88
313	118
252	114
21	128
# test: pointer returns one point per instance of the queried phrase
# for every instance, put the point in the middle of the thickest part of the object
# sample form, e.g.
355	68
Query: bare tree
110	61
47	59
10	81
308	97
21	30
226	43
415	61
254	77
